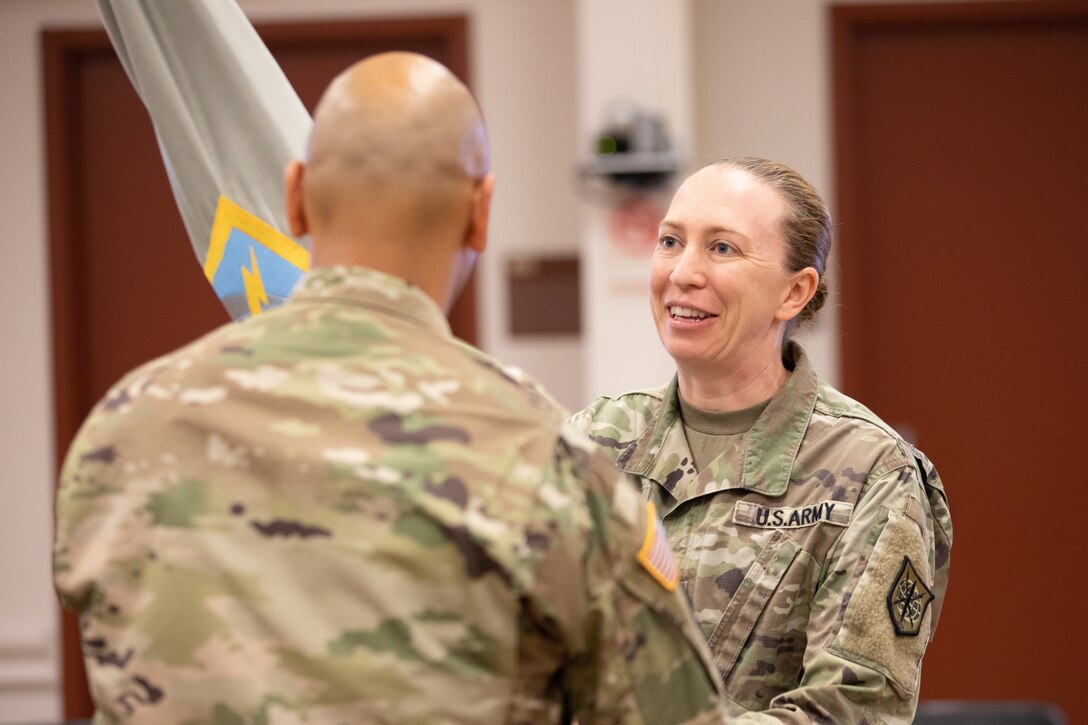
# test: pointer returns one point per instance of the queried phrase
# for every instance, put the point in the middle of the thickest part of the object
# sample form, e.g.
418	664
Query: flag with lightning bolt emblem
227	121
250	264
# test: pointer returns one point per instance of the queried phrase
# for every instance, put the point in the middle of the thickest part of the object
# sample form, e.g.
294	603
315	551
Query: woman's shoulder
832	408
870	434
895	468
888	447
833	403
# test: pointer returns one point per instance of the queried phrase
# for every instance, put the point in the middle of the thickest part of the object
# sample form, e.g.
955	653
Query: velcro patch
250	264
837	513
907	600
656	554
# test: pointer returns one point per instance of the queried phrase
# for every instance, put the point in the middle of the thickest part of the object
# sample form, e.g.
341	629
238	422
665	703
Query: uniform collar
770	448
376	290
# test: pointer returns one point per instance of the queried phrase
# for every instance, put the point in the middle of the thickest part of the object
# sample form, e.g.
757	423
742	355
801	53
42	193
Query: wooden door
962	168
126	286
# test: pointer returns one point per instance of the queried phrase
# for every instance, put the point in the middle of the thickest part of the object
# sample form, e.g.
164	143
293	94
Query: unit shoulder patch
908	599
656	554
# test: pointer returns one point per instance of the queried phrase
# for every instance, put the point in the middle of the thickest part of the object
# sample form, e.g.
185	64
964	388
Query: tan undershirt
708	432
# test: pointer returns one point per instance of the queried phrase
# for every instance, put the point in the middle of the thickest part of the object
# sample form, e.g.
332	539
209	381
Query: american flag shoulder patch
656	553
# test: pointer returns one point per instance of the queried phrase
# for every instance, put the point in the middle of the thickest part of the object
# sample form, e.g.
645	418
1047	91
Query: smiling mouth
686	313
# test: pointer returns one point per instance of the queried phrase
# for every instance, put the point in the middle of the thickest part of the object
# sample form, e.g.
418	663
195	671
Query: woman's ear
802	288
292	198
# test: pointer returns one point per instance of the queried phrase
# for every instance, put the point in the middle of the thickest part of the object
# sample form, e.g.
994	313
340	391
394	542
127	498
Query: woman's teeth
686	312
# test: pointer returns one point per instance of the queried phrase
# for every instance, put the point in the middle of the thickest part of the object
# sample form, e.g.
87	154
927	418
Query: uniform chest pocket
744	609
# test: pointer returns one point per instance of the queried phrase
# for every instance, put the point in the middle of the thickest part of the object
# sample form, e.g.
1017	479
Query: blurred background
948	138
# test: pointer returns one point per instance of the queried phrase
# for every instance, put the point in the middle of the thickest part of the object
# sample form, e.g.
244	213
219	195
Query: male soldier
334	511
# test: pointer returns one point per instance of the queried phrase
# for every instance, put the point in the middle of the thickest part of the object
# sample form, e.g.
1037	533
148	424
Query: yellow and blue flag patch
251	265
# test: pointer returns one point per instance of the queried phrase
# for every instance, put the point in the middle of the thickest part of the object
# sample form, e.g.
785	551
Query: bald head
395	129
397	176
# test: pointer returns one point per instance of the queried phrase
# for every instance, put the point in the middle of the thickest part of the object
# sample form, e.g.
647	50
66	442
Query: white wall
635	52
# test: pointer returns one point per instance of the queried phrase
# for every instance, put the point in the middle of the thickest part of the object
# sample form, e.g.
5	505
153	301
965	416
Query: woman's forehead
726	197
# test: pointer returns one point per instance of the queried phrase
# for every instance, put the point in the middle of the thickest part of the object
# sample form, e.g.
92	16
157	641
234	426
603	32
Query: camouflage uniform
335	512
814	548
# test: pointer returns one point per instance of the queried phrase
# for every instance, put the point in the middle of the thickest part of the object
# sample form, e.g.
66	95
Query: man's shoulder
516	386
161	371
625	414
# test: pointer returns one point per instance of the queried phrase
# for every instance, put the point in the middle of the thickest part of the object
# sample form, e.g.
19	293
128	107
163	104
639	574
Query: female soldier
813	541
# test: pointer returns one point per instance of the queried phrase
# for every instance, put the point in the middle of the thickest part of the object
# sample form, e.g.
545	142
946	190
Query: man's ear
476	235
292	198
802	287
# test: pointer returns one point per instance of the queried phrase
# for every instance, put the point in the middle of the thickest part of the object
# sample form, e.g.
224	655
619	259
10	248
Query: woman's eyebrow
711	230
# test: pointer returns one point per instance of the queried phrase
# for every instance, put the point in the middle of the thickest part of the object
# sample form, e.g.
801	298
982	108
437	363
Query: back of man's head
397	166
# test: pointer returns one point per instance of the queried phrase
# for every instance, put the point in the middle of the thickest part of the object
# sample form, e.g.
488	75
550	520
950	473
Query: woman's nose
688	270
